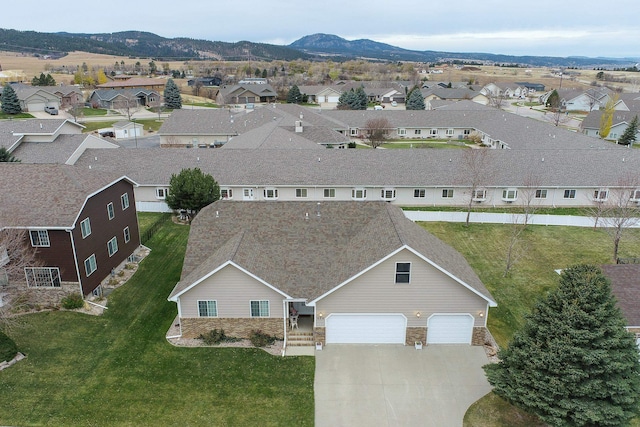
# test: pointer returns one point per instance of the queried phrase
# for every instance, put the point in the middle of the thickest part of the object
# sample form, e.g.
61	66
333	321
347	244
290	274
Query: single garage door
450	329
366	329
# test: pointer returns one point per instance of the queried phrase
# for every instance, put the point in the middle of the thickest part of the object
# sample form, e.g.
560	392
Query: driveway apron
387	385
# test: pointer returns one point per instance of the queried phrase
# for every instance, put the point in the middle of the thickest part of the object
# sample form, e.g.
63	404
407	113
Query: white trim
395	275
419	255
404	337
75	221
214	271
260	301
473	320
206	300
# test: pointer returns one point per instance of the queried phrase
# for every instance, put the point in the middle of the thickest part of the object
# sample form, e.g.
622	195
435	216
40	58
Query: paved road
390	385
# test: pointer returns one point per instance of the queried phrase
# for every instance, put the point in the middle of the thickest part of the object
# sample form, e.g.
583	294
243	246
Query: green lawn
420	144
119	370
91	126
4	116
91	112
501	209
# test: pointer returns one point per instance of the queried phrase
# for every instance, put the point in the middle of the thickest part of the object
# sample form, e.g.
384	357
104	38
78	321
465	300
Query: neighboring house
205	81
136	83
361	272
247	93
628	102
458	94
81	223
620	121
532	88
69	95
15	132
625	286
66	149
35	98
579	100
321	94
115	98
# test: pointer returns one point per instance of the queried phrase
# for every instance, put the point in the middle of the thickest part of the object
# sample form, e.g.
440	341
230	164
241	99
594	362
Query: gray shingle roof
625	285
306	258
11	131
58	151
45	195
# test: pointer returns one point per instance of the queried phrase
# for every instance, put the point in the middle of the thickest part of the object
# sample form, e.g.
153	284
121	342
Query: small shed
125	129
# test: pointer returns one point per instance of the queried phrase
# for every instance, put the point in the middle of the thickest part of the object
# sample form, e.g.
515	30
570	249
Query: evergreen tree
192	190
172	97
264	73
361	101
5	156
294	96
553	101
10	102
629	134
573	363
346	100
415	100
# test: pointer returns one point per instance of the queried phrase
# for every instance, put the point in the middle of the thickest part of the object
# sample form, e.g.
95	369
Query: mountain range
311	47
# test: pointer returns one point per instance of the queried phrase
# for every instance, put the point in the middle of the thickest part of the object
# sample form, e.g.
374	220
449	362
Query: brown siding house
81	223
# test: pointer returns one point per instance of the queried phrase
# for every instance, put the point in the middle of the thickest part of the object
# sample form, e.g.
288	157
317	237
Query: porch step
299	339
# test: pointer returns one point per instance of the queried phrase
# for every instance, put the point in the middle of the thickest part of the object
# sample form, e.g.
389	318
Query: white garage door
35	106
366	329
450	329
334	98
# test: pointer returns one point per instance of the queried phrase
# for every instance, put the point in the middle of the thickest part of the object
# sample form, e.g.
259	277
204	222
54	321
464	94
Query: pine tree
346	100
361	100
553	101
573	363
10	102
294	96
629	134
415	101
172	97
5	156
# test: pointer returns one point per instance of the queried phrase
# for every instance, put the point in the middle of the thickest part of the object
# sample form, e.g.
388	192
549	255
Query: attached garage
35	106
366	329
450	329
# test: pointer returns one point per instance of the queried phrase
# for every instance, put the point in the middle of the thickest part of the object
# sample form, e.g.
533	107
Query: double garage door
391	329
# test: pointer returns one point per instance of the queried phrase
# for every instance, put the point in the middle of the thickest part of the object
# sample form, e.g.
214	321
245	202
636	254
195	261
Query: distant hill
331	45
142	44
316	46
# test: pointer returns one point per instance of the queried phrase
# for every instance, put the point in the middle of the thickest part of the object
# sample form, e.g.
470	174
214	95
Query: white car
394	104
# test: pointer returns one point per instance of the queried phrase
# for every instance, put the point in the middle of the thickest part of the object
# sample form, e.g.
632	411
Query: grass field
119	370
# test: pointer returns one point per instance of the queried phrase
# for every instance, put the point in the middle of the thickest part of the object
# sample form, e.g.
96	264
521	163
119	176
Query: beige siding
233	290
430	291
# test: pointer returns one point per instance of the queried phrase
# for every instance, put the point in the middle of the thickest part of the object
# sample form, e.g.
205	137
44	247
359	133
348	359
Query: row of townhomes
311	244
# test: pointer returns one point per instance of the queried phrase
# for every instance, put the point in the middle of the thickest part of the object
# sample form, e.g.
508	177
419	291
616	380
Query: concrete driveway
389	385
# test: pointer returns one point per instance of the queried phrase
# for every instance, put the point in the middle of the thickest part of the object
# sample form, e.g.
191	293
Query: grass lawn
501	209
419	144
91	112
5	116
546	249
150	124
91	126
119	370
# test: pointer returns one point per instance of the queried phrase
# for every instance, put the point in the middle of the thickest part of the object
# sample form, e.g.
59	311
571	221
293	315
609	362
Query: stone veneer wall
481	336
41	297
319	335
416	334
232	327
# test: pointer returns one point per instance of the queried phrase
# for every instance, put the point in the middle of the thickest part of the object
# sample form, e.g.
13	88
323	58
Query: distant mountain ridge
311	47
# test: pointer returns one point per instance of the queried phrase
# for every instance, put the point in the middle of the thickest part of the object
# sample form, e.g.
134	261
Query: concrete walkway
389	385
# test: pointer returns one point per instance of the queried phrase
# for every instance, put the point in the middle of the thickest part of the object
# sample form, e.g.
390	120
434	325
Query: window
402	132
161	193
417	132
434	132
90	265
207	308
466	132
247	194
600	195
270	193
447	193
569	194
127	234
479	195
359	193
259	308
110	211
112	246
419	192
541	194
226	193
42	277
39	238
403	272
449	132
85	227
124	199
635	196
509	194
301	192
353	132
329	193
388	193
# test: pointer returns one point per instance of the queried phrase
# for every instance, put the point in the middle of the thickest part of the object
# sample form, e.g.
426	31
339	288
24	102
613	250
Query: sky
516	27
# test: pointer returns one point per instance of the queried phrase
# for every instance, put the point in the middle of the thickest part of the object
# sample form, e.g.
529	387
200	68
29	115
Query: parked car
51	110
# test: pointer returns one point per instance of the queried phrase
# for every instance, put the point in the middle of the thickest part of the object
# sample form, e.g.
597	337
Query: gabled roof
111	94
592	121
13	131
303	254
24	91
61	150
46	195
625	285
133	82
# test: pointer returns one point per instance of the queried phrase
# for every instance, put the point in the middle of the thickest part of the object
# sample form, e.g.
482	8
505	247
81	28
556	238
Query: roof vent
306	215
318	210
217	214
40	125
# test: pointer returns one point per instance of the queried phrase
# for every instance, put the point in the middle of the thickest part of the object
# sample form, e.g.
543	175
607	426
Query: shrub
215	336
8	348
260	339
72	301
351	145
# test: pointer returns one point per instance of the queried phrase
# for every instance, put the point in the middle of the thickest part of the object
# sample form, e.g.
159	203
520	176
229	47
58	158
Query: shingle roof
592	121
11	131
134	82
58	151
410	167
45	195
625	285
303	257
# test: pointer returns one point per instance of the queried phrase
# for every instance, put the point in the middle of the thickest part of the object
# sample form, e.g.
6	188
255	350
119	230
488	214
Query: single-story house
81	223
114	98
35	98
358	272
205	81
69	94
625	286
15	132
135	83
620	121
248	93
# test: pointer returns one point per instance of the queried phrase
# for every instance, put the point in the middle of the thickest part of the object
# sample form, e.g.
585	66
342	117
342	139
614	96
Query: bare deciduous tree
127	105
376	131
476	171
621	210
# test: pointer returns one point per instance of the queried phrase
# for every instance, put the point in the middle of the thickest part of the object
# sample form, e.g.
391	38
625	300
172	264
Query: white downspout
75	260
285	311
